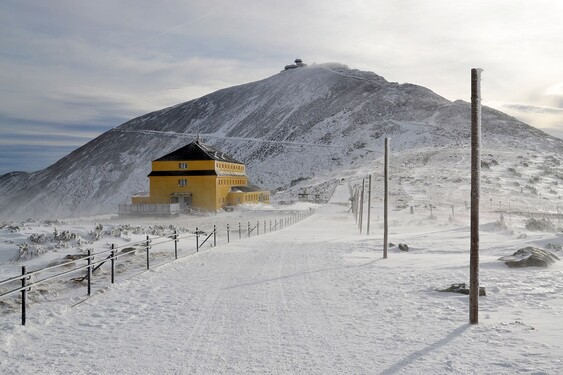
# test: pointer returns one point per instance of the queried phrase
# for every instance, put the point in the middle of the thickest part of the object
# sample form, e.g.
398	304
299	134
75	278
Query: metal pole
196	240
214	235
257	228
386	200
239	232
270	225
148	242
248	225
228	234
475	194
369	203
89	275
112	263
24	294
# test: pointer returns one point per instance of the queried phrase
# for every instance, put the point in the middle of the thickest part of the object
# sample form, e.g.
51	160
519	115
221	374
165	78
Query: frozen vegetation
313	298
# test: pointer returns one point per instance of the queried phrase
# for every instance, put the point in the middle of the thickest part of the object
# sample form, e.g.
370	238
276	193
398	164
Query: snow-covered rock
529	257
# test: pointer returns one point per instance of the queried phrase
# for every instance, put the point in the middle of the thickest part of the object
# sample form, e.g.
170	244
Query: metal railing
111	255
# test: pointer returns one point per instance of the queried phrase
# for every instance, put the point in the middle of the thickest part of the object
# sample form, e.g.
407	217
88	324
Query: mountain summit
317	120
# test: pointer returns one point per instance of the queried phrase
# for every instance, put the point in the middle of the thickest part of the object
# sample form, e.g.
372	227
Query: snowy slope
315	298
320	121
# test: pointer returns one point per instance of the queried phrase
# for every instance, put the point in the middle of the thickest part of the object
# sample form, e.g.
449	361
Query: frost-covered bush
37	238
543	225
27	251
65	235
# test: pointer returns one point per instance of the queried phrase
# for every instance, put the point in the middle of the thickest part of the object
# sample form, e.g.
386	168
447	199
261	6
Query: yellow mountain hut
196	176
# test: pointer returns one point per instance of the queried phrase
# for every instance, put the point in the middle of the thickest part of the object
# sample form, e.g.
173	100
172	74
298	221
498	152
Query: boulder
74	256
529	257
128	250
403	247
462	288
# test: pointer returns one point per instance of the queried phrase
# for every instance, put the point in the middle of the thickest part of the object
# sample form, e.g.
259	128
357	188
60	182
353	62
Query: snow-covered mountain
322	120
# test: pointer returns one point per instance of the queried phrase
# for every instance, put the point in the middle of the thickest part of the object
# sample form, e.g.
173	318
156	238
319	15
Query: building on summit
298	64
196	176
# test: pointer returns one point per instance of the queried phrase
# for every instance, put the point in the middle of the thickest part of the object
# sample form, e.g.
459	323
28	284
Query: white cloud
555	90
71	62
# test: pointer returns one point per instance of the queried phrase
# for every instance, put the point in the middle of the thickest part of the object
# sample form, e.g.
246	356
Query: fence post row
25	287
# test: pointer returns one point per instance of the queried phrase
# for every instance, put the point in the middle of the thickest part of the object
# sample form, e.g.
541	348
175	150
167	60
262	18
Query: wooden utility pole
475	194
386	199
369	203
362	205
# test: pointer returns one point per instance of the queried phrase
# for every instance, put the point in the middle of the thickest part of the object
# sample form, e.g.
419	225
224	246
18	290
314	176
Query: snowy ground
314	298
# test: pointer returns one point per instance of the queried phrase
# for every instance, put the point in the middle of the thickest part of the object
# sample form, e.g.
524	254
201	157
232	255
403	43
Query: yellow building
202	177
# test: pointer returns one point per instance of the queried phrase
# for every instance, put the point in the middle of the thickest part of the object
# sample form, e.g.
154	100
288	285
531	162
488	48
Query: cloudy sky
72	69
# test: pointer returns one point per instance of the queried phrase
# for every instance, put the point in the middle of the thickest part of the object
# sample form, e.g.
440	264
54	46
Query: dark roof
198	151
182	173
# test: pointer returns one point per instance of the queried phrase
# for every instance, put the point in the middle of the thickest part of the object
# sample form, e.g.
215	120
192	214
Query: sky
71	69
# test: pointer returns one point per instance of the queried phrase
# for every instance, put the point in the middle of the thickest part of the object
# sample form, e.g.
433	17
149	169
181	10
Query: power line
244	139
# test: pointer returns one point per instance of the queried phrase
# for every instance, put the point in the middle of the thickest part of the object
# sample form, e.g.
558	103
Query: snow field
315	298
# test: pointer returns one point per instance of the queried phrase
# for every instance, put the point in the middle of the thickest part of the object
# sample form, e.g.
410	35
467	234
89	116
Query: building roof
198	151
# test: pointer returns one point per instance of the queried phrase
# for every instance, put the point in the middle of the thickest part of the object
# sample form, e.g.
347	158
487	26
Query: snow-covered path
315	298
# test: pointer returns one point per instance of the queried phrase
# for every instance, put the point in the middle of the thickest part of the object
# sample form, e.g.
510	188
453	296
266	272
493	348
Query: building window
182	182
182	165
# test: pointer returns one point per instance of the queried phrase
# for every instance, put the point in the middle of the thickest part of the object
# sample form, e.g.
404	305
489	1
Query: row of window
231	181
254	198
230	166
222	182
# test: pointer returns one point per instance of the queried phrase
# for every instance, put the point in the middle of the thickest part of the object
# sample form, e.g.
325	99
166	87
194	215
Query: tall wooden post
475	194
356	204
24	294
386	200
369	203
361	221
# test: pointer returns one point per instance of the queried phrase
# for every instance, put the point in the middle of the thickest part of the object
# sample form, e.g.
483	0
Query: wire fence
84	266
